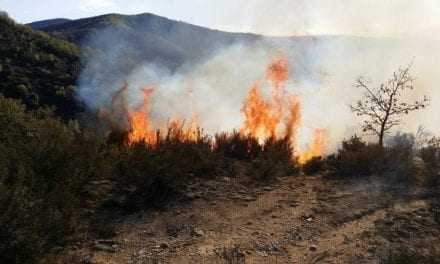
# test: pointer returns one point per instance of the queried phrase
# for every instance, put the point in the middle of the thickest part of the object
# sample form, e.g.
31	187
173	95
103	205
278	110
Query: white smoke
322	73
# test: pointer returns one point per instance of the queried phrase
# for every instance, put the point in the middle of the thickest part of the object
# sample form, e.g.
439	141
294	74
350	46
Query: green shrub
44	165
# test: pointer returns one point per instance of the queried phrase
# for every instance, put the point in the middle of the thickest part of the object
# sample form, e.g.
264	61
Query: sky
372	18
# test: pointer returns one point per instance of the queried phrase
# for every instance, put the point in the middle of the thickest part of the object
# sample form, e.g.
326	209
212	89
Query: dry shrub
356	159
314	165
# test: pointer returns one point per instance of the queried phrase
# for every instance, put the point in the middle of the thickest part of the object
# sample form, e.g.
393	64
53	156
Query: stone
313	248
106	248
164	245
198	233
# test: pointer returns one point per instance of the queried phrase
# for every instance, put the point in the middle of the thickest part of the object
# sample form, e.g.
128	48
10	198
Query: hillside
152	38
39	69
48	23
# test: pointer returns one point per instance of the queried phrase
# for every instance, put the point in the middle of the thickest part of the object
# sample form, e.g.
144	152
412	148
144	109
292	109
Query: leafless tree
384	107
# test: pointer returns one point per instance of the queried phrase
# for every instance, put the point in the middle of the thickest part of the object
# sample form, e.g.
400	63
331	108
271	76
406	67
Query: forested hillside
38	69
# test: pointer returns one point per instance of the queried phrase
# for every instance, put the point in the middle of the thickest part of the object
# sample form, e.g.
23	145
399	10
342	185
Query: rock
197	233
107	245
87	259
309	219
193	196
164	245
313	248
107	248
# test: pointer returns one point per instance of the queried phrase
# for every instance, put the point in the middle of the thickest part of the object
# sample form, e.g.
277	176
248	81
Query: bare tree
383	107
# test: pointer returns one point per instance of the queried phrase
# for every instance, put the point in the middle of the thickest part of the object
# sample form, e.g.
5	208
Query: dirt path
299	220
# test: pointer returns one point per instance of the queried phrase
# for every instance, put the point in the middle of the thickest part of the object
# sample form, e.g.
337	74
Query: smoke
322	73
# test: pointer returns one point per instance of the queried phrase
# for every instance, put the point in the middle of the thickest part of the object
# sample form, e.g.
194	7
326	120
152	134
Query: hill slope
152	38
37	68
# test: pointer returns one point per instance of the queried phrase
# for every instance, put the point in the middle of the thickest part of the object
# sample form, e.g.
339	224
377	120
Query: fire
261	117
317	147
275	116
280	115
140	127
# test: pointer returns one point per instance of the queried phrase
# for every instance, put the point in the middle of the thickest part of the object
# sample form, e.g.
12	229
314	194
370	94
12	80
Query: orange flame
278	116
261	117
316	149
140	125
266	118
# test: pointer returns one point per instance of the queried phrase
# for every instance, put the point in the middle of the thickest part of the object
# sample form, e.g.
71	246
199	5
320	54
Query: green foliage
44	166
38	69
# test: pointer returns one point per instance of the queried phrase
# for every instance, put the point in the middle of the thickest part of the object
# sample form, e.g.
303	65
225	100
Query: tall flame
316	148
141	128
275	116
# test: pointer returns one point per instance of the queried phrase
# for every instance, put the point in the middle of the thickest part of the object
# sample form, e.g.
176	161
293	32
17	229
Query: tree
384	107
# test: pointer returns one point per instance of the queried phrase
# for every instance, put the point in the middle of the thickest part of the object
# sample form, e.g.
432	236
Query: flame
275	116
140	125
266	118
280	115
261	117
316	148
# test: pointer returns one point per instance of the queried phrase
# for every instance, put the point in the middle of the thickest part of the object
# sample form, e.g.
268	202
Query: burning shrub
237	146
157	173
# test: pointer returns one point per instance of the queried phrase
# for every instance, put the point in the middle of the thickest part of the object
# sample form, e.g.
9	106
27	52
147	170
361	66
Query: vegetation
38	69
404	257
47	165
384	106
52	170
44	166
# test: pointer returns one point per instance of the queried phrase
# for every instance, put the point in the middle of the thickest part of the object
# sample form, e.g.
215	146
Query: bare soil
303	219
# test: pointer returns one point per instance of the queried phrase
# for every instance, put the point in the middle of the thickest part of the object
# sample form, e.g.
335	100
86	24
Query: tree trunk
381	134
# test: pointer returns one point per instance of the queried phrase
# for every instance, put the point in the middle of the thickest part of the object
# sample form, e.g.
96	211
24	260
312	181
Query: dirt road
298	220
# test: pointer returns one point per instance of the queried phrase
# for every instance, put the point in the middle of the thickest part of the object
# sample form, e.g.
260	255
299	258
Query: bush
158	173
314	166
274	161
405	257
356	159
395	162
430	154
44	165
236	146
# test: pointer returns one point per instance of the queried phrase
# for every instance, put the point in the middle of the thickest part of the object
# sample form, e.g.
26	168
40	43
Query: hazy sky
272	17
